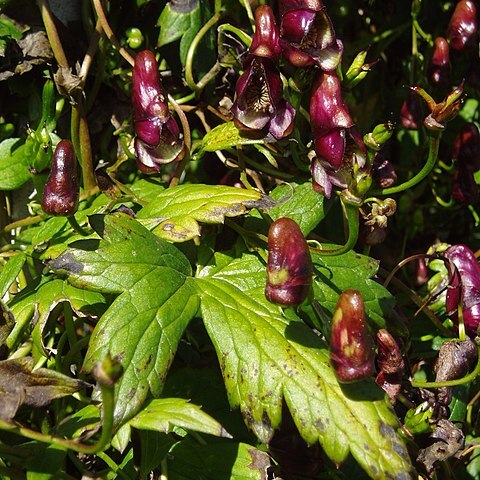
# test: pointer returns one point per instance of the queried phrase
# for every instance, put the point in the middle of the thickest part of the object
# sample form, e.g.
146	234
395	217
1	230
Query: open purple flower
259	107
307	35
463	26
465	287
158	136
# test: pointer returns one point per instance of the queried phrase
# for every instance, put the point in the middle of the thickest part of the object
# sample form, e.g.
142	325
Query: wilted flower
463	26
439	68
289	266
307	36
60	195
464	288
157	139
390	363
259	106
351	344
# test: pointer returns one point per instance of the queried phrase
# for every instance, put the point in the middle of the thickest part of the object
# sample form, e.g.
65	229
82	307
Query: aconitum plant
239	239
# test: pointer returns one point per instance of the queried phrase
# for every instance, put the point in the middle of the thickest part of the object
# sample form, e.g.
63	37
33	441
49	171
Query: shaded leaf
7	321
164	414
10	272
35	388
47	462
267	359
154	448
13	164
176	213
217	461
301	203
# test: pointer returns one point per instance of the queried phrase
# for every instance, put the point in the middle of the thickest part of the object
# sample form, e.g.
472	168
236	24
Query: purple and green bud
380	135
259	107
351	344
307	36
289	265
463	26
439	68
464	289
411	114
61	192
157	139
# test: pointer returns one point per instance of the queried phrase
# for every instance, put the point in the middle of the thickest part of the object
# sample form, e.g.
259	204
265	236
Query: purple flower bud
351	344
421	272
466	149
259	106
265	40
439	68
463	26
307	35
329	117
411	115
158	136
60	196
465	287
289	266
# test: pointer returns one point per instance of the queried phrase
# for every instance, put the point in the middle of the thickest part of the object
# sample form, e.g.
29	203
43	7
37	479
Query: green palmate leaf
164	414
267	359
14	164
145	323
36	302
217	461
176	213
10	272
225	136
299	202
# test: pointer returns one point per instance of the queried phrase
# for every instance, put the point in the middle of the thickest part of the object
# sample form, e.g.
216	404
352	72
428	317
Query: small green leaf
176	213
176	19
164	414
9	30
225	136
47	462
10	272
267	360
301	203
14	164
217	461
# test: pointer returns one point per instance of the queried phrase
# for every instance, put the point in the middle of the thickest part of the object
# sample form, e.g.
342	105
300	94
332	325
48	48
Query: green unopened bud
134	37
358	70
107	372
380	135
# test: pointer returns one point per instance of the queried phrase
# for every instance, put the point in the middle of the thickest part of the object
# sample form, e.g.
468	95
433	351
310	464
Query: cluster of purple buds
440	68
259	107
464	288
158	140
466	157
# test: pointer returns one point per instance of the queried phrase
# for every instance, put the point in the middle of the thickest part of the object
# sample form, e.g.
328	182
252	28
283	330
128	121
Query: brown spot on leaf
260	461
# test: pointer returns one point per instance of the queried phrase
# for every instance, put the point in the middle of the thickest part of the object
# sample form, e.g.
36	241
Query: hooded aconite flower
157	139
439	68
259	107
307	35
463	26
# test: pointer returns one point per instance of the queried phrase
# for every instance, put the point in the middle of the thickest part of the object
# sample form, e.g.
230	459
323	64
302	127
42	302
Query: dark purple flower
289	266
411	115
307	35
259	107
463	26
466	149
351	344
157	134
60	195
464	289
464	188
439	68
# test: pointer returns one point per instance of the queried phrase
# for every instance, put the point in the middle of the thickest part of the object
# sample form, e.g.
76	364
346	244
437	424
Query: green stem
433	144
107	392
353	221
245	38
88	175
75	225
193	48
449	383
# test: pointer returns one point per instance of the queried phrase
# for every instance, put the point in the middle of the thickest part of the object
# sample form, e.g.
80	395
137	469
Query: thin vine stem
449	383
433	145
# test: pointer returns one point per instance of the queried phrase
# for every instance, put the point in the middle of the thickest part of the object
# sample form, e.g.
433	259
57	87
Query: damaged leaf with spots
267	359
156	301
177	213
21	385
